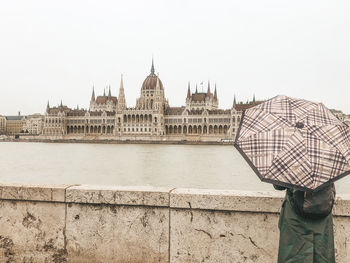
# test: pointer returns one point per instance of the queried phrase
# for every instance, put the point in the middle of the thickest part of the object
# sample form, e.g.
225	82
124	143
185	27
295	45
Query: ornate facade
2	124
152	117
33	124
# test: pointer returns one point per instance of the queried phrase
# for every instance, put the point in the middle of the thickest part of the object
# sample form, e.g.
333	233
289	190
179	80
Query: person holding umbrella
302	147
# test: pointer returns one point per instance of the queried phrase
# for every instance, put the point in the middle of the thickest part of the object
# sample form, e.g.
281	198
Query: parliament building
152	118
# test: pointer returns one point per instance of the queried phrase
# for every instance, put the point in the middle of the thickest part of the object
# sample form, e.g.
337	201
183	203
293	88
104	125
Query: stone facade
2	124
15	124
72	223
34	124
152	117
339	114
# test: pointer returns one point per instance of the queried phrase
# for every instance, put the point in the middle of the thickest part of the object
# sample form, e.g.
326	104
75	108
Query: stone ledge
33	192
182	198
227	200
342	205
119	195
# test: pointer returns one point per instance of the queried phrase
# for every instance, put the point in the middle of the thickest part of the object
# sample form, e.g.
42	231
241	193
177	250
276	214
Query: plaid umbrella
294	143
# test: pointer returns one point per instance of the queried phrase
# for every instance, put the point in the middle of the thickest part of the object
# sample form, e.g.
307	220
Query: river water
188	166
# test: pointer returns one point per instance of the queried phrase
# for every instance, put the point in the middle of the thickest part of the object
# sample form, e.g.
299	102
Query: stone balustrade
84	223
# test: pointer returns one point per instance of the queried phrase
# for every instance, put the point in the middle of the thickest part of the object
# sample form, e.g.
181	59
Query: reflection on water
189	166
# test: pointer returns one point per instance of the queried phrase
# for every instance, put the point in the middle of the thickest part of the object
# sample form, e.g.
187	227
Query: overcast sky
53	50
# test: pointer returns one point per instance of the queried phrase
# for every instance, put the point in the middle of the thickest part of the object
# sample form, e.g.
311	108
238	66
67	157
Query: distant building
339	114
2	124
347	119
152	117
33	124
14	124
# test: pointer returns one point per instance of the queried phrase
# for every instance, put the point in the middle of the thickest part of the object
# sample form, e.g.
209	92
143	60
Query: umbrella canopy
294	143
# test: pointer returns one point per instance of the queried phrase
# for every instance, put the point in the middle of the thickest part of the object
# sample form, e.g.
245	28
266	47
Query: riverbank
116	141
85	223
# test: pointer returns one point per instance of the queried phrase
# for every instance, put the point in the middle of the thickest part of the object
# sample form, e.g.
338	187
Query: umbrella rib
309	159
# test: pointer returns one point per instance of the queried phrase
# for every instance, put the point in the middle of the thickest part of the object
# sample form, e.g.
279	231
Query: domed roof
150	83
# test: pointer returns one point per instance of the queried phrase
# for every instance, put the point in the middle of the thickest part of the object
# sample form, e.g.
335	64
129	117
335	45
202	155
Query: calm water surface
189	166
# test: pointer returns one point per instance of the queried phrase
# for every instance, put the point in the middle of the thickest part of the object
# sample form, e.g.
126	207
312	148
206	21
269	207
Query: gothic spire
109	92
254	98
121	83
93	94
152	68
189	91
61	104
196	89
208	92
48	106
215	94
121	98
234	101
104	92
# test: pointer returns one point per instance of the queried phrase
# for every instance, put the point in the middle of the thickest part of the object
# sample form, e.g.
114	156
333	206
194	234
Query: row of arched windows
196	129
96	129
138	118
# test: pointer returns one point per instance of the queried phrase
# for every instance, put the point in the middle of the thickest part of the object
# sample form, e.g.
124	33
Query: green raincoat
304	240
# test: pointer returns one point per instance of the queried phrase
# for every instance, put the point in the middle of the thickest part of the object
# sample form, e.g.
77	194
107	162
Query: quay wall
192	140
84	223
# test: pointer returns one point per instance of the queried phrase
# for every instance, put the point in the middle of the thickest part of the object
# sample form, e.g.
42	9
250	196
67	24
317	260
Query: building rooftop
14	118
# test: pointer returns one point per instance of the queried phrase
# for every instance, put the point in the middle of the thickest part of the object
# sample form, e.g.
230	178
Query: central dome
150	83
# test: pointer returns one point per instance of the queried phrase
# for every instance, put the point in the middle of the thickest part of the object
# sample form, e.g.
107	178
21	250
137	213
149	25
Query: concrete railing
71	223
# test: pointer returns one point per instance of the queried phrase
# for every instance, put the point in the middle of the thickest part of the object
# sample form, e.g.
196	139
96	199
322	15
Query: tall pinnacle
121	98
254	98
208	92
152	68
61	103
196	89
234	101
189	91
109	92
93	94
121	83
215	94
48	106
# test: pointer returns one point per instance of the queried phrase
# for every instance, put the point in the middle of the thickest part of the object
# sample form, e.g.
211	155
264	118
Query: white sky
53	50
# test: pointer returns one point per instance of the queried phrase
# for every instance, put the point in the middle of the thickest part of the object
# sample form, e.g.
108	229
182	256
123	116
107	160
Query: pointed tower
61	105
215	94
208	91
109	92
234	102
254	98
93	94
104	92
196	89
188	91
152	68
93	100
121	98
47	106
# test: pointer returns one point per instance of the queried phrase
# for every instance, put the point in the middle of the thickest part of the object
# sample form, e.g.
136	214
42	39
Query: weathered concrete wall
71	223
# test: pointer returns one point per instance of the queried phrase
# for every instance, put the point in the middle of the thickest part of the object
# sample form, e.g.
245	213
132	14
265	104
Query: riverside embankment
84	223
129	140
